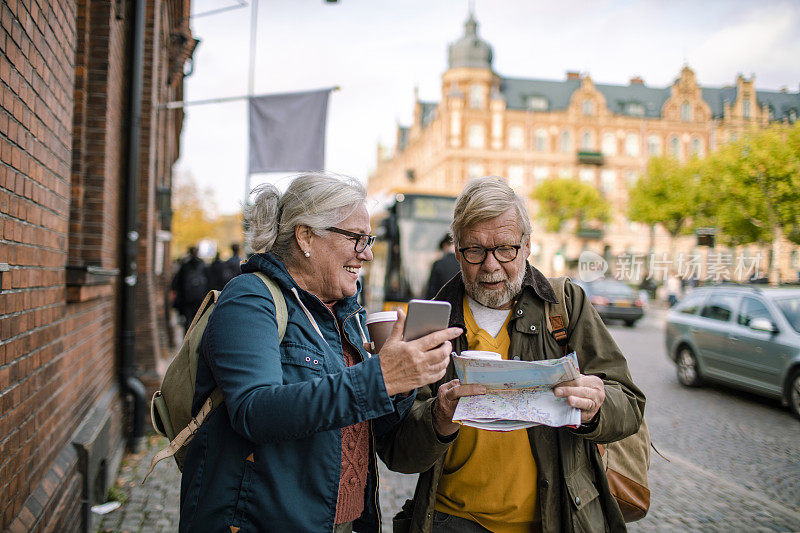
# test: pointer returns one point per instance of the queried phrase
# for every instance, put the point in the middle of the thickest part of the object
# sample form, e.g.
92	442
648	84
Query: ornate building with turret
528	130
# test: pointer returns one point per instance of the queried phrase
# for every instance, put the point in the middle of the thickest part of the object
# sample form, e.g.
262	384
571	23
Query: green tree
669	195
564	199
757	179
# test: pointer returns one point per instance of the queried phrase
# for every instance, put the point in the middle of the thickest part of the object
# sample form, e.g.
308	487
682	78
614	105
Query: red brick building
85	171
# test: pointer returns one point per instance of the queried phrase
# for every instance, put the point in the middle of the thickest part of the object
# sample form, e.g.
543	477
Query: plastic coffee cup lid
382	316
480	354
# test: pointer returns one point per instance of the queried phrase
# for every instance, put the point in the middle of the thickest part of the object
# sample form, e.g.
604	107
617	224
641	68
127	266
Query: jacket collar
273	267
533	281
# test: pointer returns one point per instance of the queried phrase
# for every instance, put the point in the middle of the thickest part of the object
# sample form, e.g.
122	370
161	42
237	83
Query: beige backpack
626	461
171	407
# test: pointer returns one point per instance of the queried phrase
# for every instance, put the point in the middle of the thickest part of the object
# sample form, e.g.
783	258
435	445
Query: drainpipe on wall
128	380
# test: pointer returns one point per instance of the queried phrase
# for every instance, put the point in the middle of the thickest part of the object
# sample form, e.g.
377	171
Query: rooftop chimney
572	75
637	80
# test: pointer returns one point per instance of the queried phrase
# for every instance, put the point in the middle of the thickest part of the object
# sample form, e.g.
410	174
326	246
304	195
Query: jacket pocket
586	510
240	510
301	362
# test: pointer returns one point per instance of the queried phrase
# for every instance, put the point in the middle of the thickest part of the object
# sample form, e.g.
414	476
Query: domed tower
470	51
471	94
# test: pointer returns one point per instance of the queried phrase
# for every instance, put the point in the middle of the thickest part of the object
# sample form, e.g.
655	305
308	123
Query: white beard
495	298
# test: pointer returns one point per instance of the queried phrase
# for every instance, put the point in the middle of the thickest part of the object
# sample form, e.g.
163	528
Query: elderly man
536	479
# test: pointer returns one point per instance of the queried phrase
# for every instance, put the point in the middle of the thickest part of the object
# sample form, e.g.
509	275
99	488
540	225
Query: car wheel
688	371
630	323
794	393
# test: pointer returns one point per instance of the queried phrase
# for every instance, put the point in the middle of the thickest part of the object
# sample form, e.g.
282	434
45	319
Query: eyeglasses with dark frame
475	255
362	240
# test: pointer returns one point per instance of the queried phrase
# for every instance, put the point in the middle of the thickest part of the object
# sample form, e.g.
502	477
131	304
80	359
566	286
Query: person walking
443	269
541	478
292	448
190	285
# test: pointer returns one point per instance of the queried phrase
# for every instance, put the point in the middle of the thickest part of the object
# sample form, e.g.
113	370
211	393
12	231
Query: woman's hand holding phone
407	365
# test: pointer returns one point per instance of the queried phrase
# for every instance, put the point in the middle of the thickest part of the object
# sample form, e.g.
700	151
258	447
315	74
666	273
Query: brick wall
64	78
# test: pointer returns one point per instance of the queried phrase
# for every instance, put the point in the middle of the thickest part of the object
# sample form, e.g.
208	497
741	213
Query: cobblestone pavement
735	458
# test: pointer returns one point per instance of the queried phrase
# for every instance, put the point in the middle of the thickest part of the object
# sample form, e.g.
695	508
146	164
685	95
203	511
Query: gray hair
317	200
484	199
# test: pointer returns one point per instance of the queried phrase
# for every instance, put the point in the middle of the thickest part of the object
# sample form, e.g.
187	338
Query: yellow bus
409	227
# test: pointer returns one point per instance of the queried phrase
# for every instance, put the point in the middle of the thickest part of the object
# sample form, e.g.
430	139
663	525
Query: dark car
743	336
614	300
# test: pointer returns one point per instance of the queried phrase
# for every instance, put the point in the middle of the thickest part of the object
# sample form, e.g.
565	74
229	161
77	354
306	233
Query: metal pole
250	88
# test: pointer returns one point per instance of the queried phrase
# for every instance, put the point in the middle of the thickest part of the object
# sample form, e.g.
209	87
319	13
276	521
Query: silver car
742	336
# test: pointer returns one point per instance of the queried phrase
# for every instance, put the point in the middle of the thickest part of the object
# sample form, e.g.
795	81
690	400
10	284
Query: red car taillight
599	300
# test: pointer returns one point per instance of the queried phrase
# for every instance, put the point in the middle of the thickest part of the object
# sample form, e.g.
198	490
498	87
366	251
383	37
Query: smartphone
424	317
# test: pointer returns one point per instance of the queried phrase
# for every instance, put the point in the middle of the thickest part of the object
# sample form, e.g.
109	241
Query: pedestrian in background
674	289
537	479
217	273
291	449
443	269
233	264
190	285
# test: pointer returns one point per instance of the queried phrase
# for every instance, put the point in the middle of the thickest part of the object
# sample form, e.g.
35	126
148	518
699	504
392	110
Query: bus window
408	244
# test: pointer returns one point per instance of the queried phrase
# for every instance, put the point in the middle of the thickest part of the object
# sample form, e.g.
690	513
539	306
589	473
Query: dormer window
538	103
686	111
636	109
746	109
587	108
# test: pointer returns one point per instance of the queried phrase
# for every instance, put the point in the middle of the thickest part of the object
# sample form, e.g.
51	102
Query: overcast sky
377	51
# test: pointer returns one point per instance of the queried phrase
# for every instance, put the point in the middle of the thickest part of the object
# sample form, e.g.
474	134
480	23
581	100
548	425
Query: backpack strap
556	314
281	314
216	399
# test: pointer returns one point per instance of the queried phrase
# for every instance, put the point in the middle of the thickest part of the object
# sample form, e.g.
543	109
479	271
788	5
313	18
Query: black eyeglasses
362	240
505	253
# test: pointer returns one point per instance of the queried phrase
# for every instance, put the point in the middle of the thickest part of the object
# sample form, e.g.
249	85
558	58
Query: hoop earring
307	254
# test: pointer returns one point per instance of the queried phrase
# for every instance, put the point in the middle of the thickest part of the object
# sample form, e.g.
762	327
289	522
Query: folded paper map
519	395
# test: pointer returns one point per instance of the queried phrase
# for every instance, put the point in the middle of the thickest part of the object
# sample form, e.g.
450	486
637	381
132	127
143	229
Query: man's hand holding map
519	393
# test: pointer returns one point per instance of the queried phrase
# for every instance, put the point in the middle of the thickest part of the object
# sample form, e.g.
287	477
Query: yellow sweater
489	477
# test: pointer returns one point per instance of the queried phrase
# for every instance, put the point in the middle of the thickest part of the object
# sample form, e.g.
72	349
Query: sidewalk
149	508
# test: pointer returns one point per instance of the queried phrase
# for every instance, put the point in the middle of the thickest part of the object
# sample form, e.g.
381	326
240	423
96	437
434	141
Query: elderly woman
292	449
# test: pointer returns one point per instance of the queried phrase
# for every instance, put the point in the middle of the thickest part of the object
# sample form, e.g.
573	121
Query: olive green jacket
572	486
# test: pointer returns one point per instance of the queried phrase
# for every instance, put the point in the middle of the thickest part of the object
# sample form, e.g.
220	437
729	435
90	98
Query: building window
609	144
586	175
586	141
632	145
587	107
476	96
686	112
746	109
608	179
792	115
631	178
541	140
540	173
675	147
564	172
794	263
565	141
516	138
516	176
475	170
537	103
653	145
697	147
476	137
636	109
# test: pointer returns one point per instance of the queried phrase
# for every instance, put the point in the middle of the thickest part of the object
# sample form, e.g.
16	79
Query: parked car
614	300
743	336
